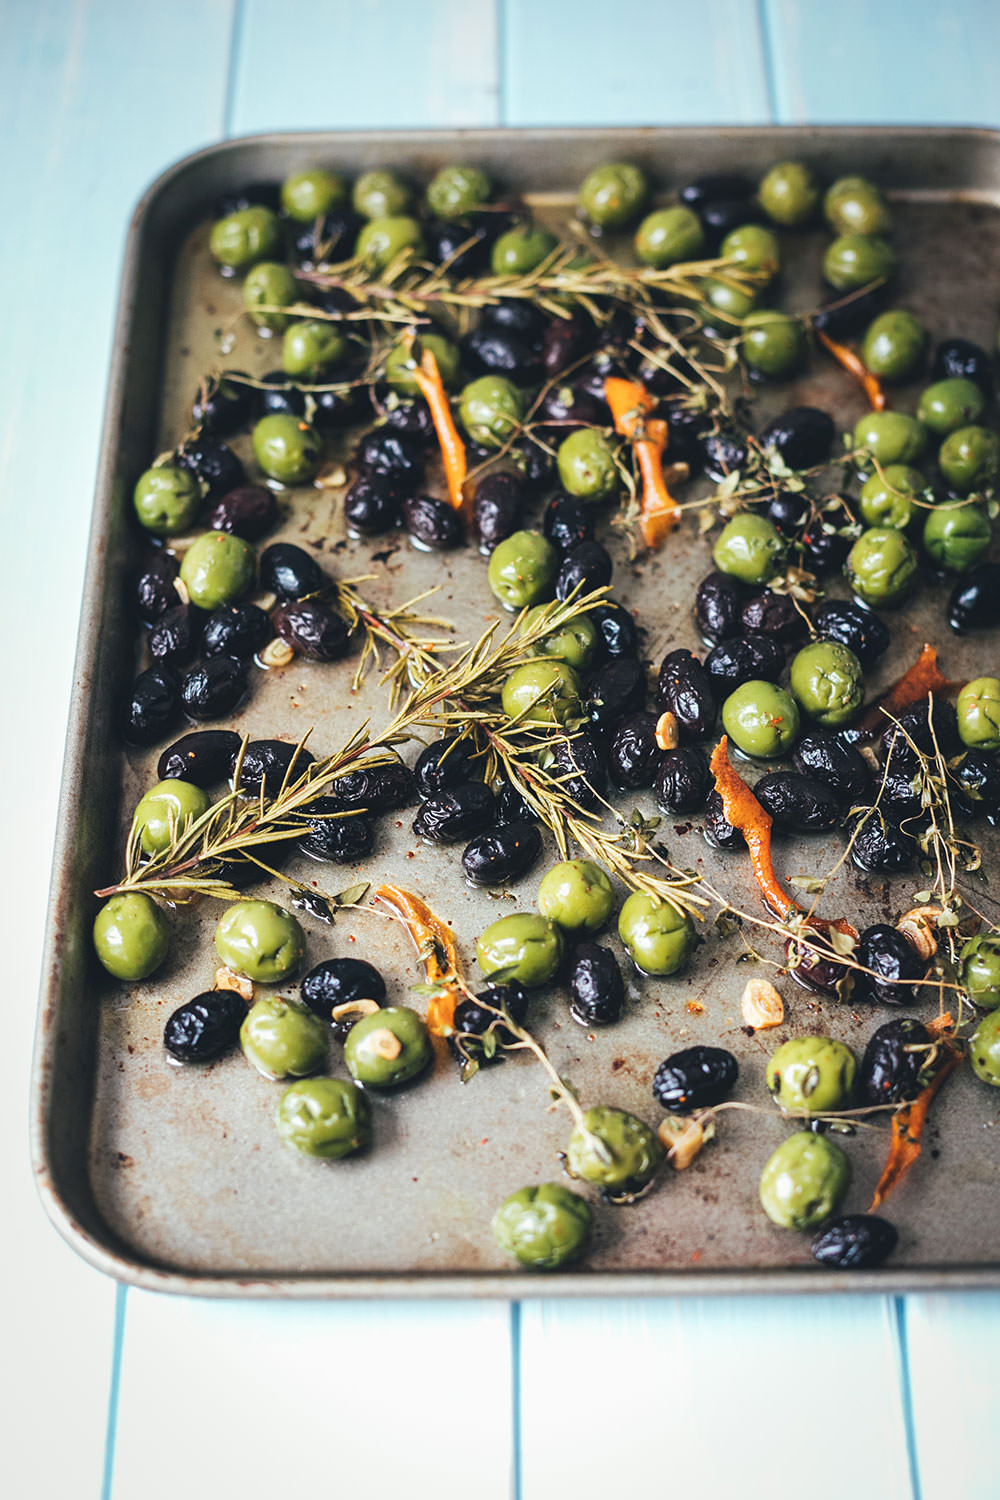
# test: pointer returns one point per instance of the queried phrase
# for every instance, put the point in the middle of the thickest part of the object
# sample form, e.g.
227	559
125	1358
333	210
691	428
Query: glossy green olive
544	1226
749	548
890	436
978	709
761	719
853	205
612	196
166	499
669	235
984	1049
283	1039
887	497
384	240
402	361
165	811
457	190
490	409
854	260
575	644
245	237
310	347
378	194
969	458
577	895
753	247
957	535
726	303
324	1117
261	940
979	968
542	692
218	568
287	448
587	467
131	935
828	682
659	938
522	569
882	567
894	345
773	343
306	196
270	285
524	947
804	1181
521	249
811	1075
613	1150
388	1047
789	194
947	405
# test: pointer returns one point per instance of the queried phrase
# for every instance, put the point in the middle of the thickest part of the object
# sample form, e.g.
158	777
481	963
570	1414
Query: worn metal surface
174	1178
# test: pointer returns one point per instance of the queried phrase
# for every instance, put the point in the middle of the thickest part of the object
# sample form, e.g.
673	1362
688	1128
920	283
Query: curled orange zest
431	386
852	363
630	403
923	678
745	813
907	1129
435	944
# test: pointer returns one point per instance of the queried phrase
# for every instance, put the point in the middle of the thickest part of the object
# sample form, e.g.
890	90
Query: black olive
596	987
893	1060
854	627
880	844
267	764
719	832
925	725
224	405
340	981
803	436
713	186
591	377
568	522
977	777
312	629
586	568
565	341
961	359
855	1242
895	963
634	754
236	630
336	840
502	855
213	463
249	511
457	814
535	464
174	638
616	628
776	615
901	788
155	589
412	418
339	406
432	523
798	802
515	315
214	687
579	762
497	508
473	1018
511	806
374	789
974	603
787	511
443	764
683	780
278	396
722	452
616	689
205	1027
204	757
564	407
843	314
724	214
371	505
383	451
717	607
290	572
325	241
495	351
152	706
747	658
687	430
814	970
464	246
695	1078
685	688
840	767
824	551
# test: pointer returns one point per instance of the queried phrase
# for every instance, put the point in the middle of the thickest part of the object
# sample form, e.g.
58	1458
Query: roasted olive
324	1117
386	451
895	965
747	658
616	628
855	1242
789	193
261	940
522	947
773	343
490	410
268	764
575	643
669	235
375	789
893	1061
887	496
495	351
723	452
204	757
580	770
854	627
882	566
542	692
634	754
389	1047
802	436
877	843
577	895
166	498
522	569
811	1075
932	726
213	464
249	234
828	683
235	630
290	572
389	238
659	937
379	192
371	505
151	707
433	524
520	249
776	616
984	1049
131	935
823	549
840	768
614	1150
205	1027
333	838
568	522
974	603
503	855
617	689
564	342
597	990
443	764
248	511
611	196
853	205
214	687
891	437
588	465
498	505
894	345
719	832
979	969
961	359
543	1226
156	587
474	1018
682	780
718	605
175	637
586	568
956	535
798	803
684	687
948	405
852	261
165	812
341	981
761	720
457	814
217	568
803	1181
695	1078
749	548
312	629
268	288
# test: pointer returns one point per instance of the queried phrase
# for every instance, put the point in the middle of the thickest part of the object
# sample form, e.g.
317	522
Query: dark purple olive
961	359
151	707
236	630
340	981
458	814
564	407
336	840
268	764
683	780
497	507
929	726
464	246
798	803
326	241
378	788
213	463
502	855
824	552
249	511
279	396
339	405
515	315
976	776
155	588
410	418
290	572
578	765
879	845
204	757
433	524
213	688
205	1027
596	987
568	522
777	616
223	405
815	970
803	436
687	430
494	351
312	629
511	806
722	453
685	688
634	754
719	832
383	451
787	512
974	602
695	1078
586	568
710	187
616	629
443	764
854	627
616	689
717	607
175	637
595	372
473	1018
896	1054
840	767
856	1242
371	505
895	966
847	313
564	342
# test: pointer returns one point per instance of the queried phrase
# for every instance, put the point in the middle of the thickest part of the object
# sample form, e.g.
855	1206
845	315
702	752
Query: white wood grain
952	1344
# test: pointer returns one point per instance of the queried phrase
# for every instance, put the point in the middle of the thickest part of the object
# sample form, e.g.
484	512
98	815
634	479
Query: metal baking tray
174	1179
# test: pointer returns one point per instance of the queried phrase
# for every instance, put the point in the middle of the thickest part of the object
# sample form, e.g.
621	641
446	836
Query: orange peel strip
852	363
453	456
745	813
435	944
907	1130
630	403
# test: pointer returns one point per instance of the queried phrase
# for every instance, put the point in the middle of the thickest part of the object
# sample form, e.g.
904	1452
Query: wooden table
122	1394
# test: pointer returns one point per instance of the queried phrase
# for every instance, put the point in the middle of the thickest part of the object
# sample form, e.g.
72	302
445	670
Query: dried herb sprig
401	630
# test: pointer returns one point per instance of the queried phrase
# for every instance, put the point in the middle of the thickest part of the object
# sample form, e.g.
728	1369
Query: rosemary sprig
400	630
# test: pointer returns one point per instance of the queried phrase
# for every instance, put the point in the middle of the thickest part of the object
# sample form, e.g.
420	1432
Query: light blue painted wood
952	1344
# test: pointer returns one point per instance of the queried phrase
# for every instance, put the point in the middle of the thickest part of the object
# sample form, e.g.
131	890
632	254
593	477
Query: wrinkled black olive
502	855
722	452
205	1027
718	605
926	724
495	351
457	814
977	777
683	780
497	507
312	629
894	961
290	571
341	981
775	615
710	187
383	451
787	511
747	658
375	789
155	589
840	767
596	987
880	844
616	628
695	1078
175	637
204	757
411	418
855	1242
236	630
214	687
634	754
432	523
515	315
511	806
586	568
961	359
568	522
278	396
685	688
901	788
846	313
890	1069
475	1017
719	832
798	802
564	407
464	246
854	627
803	436
974	602
371	505
616	689
814	970
579	762
326	241
824	551
336	840
213	463
224	405
565	341
443	764
152	706
249	511
267	764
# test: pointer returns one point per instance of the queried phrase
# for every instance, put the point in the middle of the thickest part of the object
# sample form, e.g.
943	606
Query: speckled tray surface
174	1178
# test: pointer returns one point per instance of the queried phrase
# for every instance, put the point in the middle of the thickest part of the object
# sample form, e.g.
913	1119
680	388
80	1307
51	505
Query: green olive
853	205
882	567
402	361
166	499
811	1075
669	235
947	405
287	448
379	194
660	939
894	345
612	196
490	410
978	709
828	682
521	249
522	569
260	940
306	196
761	719
575	644
587	466
166	811
457	190
324	1117
891	437
969	458
886	498
283	1039
854	260
613	1150
749	548
725	303
388	1047
984	1049
541	692
804	1181
241	239
957	535
218	568
789	194
544	1226
754	248
576	895
131	935
979	968
385	239
523	947
310	347
270	285
773	343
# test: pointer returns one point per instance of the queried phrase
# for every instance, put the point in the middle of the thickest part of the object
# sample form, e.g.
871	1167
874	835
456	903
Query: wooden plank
951	1342
372	64
585	62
